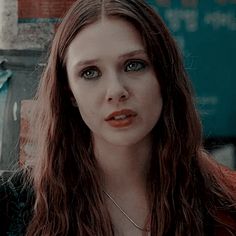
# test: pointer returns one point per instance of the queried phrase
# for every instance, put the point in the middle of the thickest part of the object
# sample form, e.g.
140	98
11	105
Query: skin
108	70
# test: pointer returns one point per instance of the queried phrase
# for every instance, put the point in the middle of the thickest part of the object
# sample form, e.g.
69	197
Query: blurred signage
206	34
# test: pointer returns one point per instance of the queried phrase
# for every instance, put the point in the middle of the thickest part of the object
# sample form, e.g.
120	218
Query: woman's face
113	82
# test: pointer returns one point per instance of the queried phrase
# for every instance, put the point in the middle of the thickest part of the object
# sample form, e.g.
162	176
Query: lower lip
121	123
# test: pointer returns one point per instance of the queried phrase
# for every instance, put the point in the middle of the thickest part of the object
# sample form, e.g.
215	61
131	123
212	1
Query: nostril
118	96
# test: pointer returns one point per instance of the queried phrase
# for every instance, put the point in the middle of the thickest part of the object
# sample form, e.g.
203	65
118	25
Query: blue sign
206	33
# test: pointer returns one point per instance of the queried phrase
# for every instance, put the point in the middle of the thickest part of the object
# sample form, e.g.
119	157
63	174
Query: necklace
125	214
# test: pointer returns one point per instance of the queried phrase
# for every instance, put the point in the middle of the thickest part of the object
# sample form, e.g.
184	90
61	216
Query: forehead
108	36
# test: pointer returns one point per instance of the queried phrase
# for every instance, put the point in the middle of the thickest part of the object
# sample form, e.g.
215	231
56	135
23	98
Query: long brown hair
68	196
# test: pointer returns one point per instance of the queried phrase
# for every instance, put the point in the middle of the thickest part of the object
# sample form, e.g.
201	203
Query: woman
119	146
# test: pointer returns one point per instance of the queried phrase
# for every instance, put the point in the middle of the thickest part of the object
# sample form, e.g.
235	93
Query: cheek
157	101
81	97
153	102
151	94
87	111
87	116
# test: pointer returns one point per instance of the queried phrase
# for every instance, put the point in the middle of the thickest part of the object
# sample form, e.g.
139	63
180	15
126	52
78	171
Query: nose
116	91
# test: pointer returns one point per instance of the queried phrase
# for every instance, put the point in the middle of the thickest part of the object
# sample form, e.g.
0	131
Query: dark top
15	204
17	198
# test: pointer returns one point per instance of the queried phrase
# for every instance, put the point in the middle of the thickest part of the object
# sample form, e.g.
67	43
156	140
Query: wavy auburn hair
68	196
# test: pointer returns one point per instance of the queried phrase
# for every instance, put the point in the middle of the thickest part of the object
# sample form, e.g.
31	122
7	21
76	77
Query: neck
123	167
124	173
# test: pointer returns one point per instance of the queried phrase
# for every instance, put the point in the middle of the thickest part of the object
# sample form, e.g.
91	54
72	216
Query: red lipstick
122	118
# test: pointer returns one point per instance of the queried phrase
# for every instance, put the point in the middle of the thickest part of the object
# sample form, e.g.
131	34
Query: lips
121	118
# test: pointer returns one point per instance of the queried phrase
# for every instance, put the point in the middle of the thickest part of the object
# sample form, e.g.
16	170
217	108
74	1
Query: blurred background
204	30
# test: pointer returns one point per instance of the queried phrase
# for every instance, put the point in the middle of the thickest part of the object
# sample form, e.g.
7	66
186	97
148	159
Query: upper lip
127	112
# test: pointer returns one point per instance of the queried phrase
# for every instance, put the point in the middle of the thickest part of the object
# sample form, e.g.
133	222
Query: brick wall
43	8
29	24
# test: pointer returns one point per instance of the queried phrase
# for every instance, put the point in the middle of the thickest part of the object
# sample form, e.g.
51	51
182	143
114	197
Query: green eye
90	73
135	66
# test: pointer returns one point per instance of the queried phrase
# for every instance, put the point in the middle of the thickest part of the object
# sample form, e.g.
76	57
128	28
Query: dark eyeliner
82	74
140	61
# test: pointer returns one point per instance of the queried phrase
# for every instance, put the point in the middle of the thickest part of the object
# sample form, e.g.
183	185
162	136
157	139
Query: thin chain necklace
125	214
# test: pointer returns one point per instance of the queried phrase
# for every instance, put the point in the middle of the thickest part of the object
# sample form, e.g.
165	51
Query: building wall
29	24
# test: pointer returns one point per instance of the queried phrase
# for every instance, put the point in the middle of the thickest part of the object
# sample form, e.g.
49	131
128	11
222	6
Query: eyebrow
126	55
133	53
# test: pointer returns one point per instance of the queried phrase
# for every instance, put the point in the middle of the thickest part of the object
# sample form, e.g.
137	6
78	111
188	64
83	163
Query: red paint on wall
31	9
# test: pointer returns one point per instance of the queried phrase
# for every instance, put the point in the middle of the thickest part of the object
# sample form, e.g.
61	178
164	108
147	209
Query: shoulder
225	224
221	179
229	177
16	199
221	173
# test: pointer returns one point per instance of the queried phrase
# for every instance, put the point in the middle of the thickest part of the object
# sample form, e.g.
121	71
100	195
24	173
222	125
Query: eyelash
89	69
140	65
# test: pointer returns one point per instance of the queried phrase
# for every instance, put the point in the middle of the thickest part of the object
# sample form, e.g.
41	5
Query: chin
127	140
